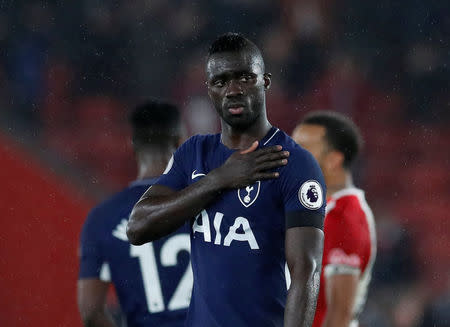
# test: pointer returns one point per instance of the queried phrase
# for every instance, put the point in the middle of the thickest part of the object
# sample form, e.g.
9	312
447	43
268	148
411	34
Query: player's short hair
233	42
341	133
155	123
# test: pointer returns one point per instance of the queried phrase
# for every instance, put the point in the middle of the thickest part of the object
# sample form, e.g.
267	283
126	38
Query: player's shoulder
348	202
296	151
279	137
300	161
349	214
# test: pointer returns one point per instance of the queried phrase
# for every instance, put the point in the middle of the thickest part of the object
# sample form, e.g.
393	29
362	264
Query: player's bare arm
161	210
304	247
91	303
341	293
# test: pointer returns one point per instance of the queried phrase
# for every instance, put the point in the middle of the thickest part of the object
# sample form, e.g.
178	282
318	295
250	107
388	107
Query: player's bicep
91	257
304	247
152	196
91	294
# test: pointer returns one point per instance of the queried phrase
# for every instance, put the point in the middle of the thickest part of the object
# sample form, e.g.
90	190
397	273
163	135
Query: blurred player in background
153	281
254	199
350	240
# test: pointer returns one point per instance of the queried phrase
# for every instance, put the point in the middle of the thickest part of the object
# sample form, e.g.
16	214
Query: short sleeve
92	262
347	242
175	176
303	190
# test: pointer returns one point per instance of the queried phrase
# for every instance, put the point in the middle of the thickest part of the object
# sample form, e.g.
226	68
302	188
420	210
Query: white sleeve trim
105	273
340	269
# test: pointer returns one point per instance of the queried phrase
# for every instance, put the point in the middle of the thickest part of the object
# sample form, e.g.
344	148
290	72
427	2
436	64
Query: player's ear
209	93
267	80
335	159
133	146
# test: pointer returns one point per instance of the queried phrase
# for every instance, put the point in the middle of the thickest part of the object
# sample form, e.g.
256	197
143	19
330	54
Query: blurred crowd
70	71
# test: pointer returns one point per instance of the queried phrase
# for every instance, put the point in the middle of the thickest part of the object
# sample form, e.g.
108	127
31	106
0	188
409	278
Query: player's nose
234	88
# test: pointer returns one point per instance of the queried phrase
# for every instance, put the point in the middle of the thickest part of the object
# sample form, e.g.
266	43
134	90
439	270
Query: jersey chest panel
239	216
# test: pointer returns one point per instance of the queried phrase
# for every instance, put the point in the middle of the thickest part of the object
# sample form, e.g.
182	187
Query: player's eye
245	78
218	83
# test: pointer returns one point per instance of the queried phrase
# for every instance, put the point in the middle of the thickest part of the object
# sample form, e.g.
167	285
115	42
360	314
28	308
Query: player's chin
238	121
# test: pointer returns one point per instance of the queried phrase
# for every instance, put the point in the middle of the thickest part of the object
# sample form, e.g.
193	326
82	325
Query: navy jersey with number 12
237	241
153	281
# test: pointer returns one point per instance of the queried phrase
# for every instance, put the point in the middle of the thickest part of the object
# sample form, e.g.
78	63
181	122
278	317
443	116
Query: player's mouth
236	109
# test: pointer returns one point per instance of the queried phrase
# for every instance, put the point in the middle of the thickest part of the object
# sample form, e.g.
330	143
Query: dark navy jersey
237	241
153	281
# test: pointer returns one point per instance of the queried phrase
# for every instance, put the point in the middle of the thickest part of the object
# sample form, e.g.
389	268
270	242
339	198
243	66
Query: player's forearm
340	294
302	296
156	216
98	319
337	318
339	310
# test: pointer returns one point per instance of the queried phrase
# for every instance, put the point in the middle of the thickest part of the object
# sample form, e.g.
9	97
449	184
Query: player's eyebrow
233	74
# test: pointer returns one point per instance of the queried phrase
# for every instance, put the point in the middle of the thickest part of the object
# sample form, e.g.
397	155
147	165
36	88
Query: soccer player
254	200
350	244
153	281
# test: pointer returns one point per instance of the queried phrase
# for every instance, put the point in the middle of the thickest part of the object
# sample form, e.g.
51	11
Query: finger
251	148
271	164
268	175
269	149
272	156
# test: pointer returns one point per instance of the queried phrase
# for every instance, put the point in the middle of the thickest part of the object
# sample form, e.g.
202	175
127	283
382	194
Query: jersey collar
269	136
263	142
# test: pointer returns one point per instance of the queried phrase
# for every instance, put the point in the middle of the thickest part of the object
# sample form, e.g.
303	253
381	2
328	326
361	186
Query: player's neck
152	164
235	138
337	181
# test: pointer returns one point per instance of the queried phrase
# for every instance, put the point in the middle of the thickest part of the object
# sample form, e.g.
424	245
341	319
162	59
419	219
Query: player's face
312	138
236	85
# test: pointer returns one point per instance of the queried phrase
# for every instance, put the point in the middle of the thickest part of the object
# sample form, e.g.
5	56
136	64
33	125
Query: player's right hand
246	167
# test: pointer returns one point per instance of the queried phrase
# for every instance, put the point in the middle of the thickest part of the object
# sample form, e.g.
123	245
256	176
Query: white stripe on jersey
271	136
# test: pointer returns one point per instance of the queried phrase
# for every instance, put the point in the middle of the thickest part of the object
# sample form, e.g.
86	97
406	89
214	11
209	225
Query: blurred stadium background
70	71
